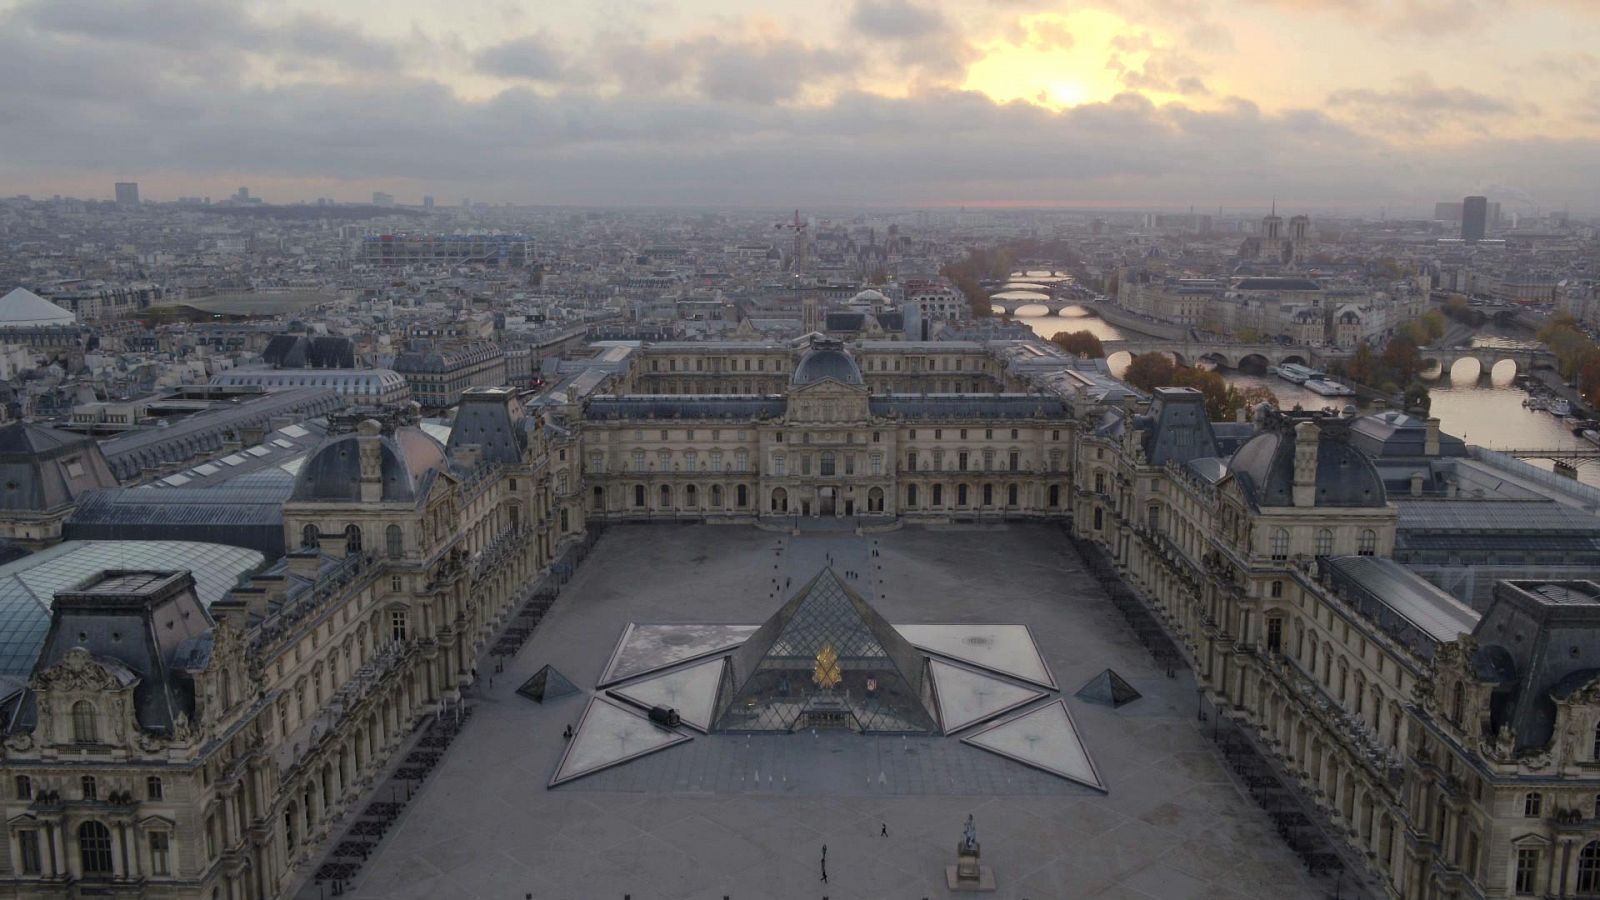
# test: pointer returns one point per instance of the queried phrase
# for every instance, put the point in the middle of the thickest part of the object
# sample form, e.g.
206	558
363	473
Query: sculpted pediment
80	670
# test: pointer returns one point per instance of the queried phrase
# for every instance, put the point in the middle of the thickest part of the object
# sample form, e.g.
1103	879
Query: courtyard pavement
746	817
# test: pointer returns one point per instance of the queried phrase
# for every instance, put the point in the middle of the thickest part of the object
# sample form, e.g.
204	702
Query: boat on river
1294	373
1328	388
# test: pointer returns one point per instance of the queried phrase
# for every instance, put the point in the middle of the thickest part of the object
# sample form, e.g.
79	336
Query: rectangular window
28	843
961	461
1275	635
160	856
1527	871
152	787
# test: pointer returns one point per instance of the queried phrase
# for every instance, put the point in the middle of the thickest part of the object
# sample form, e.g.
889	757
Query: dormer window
85	723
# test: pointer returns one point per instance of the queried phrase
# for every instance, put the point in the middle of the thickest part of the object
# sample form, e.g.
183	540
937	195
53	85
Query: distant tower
427	201
1474	219
811	314
1300	237
1272	229
127	193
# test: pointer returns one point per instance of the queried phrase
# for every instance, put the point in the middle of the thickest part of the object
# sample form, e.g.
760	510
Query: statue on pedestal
967	874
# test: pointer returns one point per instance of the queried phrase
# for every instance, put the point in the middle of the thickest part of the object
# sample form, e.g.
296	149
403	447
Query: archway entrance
827	501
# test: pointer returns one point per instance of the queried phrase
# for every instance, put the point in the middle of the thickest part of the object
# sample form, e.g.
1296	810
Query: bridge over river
1260	355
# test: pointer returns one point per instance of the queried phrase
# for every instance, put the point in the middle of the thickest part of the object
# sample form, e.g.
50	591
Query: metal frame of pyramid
827	657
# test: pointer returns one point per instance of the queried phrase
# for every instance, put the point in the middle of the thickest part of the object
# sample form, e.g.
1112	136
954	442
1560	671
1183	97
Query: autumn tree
1080	343
1149	371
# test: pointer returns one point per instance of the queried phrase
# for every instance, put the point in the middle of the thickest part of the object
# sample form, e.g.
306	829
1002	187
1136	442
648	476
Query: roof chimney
1430	443
1306	436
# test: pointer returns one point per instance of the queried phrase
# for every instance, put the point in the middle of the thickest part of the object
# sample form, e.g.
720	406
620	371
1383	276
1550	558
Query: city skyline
1334	104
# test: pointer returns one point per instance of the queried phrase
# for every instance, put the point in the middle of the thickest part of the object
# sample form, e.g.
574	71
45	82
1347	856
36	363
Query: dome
827	360
1345	476
409	457
869	296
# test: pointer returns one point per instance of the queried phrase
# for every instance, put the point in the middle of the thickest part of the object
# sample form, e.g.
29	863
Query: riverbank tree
1223	401
1080	343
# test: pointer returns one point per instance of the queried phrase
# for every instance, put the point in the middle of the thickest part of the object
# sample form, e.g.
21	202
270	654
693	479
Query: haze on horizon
1327	104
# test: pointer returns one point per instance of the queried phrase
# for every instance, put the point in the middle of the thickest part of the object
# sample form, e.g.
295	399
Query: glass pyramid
1109	688
547	684
826	659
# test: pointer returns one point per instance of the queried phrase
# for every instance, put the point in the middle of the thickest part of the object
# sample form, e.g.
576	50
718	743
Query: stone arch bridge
1235	355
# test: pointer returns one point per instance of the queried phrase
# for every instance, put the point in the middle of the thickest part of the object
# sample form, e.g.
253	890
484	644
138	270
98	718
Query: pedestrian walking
884	831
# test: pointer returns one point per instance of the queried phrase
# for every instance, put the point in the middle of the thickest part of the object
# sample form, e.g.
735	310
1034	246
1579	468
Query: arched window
352	539
716	496
1055	495
599	502
666	496
1011	495
1589	868
988	495
1369	542
309	538
85	723
1280	543
875	500
289	815
691	496
741	495
1324	541
394	542
961	495
780	500
911	496
638	496
564	526
94	848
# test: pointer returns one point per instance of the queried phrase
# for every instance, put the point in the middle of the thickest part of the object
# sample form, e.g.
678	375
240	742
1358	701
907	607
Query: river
1487	411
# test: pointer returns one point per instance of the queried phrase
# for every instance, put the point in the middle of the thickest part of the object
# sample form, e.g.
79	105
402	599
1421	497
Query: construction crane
797	261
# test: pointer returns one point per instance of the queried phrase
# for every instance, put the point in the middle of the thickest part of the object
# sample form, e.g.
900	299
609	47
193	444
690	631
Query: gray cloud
1418	104
531	57
896	19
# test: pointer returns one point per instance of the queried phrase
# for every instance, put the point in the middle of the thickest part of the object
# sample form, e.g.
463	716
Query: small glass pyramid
1109	688
547	684
827	659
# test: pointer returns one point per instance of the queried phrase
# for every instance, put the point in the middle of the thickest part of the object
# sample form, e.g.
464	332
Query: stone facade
1455	755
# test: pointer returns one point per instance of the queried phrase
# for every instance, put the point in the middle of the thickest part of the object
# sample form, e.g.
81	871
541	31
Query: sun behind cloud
1051	60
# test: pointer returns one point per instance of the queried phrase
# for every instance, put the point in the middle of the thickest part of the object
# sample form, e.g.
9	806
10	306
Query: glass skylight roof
27	585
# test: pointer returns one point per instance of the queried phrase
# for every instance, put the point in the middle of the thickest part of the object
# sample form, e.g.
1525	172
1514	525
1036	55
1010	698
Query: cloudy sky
1327	104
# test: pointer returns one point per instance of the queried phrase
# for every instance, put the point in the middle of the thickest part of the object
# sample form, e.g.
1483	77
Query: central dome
827	359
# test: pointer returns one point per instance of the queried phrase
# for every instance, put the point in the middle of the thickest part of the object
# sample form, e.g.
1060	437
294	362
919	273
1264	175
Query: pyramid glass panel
609	735
1046	739
1007	649
650	648
827	659
967	697
691	691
